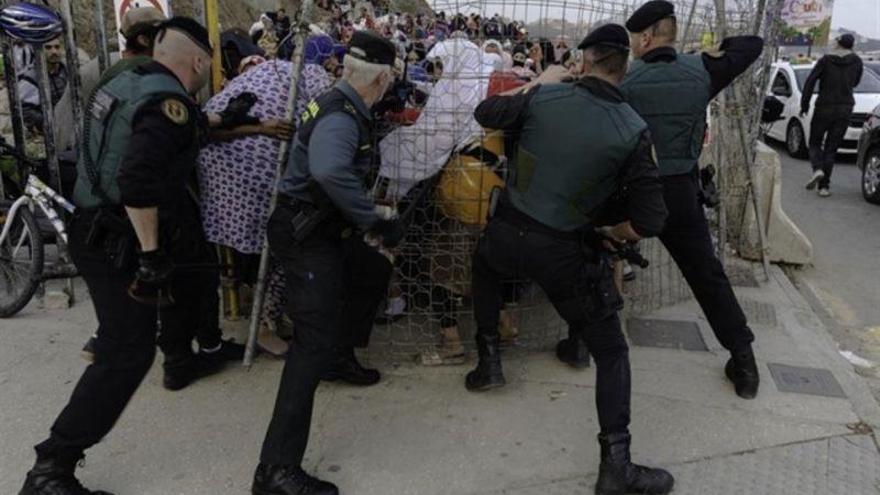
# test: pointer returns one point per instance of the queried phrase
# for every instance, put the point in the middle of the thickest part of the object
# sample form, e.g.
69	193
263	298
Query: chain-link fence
433	267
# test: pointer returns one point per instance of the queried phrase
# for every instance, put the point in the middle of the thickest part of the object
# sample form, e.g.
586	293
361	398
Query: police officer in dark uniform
584	158
335	281
134	222
671	92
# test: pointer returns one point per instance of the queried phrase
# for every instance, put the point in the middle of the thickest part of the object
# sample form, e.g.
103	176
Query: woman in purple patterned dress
237	177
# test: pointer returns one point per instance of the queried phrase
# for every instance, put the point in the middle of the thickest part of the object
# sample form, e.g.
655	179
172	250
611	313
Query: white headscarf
446	123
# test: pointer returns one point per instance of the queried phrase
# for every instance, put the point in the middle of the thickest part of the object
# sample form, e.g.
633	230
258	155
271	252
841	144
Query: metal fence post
100	26
260	289
46	108
11	78
74	83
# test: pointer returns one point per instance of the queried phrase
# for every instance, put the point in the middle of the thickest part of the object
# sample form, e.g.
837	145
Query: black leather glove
151	283
236	112
391	231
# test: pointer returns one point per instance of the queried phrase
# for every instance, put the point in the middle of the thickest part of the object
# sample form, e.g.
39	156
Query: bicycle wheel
21	261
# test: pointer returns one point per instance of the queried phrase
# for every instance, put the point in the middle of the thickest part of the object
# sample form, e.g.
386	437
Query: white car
787	83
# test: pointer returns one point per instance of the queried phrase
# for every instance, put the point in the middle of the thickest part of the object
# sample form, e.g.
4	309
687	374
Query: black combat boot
573	352
228	350
742	370
347	369
488	373
180	373
289	480
54	476
619	476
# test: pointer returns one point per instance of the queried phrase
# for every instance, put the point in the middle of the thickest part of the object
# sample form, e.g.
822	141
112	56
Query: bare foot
450	350
270	343
509	332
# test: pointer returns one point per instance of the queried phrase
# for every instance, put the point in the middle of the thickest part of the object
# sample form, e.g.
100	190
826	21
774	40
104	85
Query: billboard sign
806	22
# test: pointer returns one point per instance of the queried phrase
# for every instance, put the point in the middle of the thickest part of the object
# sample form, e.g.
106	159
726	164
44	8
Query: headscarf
319	48
448	118
495	60
506	62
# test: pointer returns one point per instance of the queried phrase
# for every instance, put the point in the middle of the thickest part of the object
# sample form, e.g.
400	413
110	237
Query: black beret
648	14
846	41
372	48
191	28
612	35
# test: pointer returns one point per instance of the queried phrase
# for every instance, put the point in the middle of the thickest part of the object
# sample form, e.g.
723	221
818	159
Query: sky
862	16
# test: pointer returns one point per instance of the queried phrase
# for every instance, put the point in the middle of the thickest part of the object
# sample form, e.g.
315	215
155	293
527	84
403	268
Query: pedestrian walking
671	91
837	74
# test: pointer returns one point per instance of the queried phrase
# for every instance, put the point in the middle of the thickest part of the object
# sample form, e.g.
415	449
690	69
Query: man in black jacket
837	73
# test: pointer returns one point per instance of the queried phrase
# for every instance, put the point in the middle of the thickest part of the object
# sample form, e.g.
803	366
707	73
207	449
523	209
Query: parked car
869	157
787	84
874	66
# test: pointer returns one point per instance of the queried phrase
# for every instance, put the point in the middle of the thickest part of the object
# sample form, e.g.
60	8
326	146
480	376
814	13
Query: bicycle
24	235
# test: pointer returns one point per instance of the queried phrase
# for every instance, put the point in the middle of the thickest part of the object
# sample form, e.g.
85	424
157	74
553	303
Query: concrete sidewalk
420	433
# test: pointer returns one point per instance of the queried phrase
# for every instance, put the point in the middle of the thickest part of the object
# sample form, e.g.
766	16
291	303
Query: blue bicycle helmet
30	23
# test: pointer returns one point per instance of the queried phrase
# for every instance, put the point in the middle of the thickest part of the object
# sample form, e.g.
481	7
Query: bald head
189	61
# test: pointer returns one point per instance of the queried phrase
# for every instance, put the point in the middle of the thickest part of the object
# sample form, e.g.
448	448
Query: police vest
107	131
570	153
330	102
672	97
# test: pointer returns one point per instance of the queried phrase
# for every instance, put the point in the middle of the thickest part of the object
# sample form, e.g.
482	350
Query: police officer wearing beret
134	222
335	281
545	228
671	91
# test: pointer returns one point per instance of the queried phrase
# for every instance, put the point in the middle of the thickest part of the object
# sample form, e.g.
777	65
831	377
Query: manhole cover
811	381
741	275
670	334
759	312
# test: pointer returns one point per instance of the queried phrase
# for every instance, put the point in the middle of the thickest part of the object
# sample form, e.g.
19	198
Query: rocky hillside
233	13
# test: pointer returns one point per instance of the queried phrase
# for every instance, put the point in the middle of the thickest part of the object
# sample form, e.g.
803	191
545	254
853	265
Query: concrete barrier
785	241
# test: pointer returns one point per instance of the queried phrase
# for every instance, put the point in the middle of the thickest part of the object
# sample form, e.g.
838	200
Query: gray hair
360	73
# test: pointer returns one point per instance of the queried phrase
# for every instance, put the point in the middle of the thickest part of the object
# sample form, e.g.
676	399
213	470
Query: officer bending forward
579	145
335	281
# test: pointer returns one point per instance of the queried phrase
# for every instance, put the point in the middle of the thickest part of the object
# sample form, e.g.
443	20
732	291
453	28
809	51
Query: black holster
111	231
600	296
709	196
309	219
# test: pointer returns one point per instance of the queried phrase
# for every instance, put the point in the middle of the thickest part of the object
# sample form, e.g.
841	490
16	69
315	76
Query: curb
864	404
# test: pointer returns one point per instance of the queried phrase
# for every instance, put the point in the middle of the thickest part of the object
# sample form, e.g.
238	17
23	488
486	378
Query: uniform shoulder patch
175	110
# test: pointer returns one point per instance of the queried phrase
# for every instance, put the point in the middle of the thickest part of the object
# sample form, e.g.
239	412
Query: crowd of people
454	62
392	111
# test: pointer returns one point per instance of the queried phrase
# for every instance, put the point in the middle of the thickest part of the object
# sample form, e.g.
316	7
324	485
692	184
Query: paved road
845	232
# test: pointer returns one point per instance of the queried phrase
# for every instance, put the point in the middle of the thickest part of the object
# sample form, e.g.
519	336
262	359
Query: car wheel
871	176
794	140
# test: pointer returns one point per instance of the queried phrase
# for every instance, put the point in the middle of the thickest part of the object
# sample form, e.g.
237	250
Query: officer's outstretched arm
736	54
146	226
